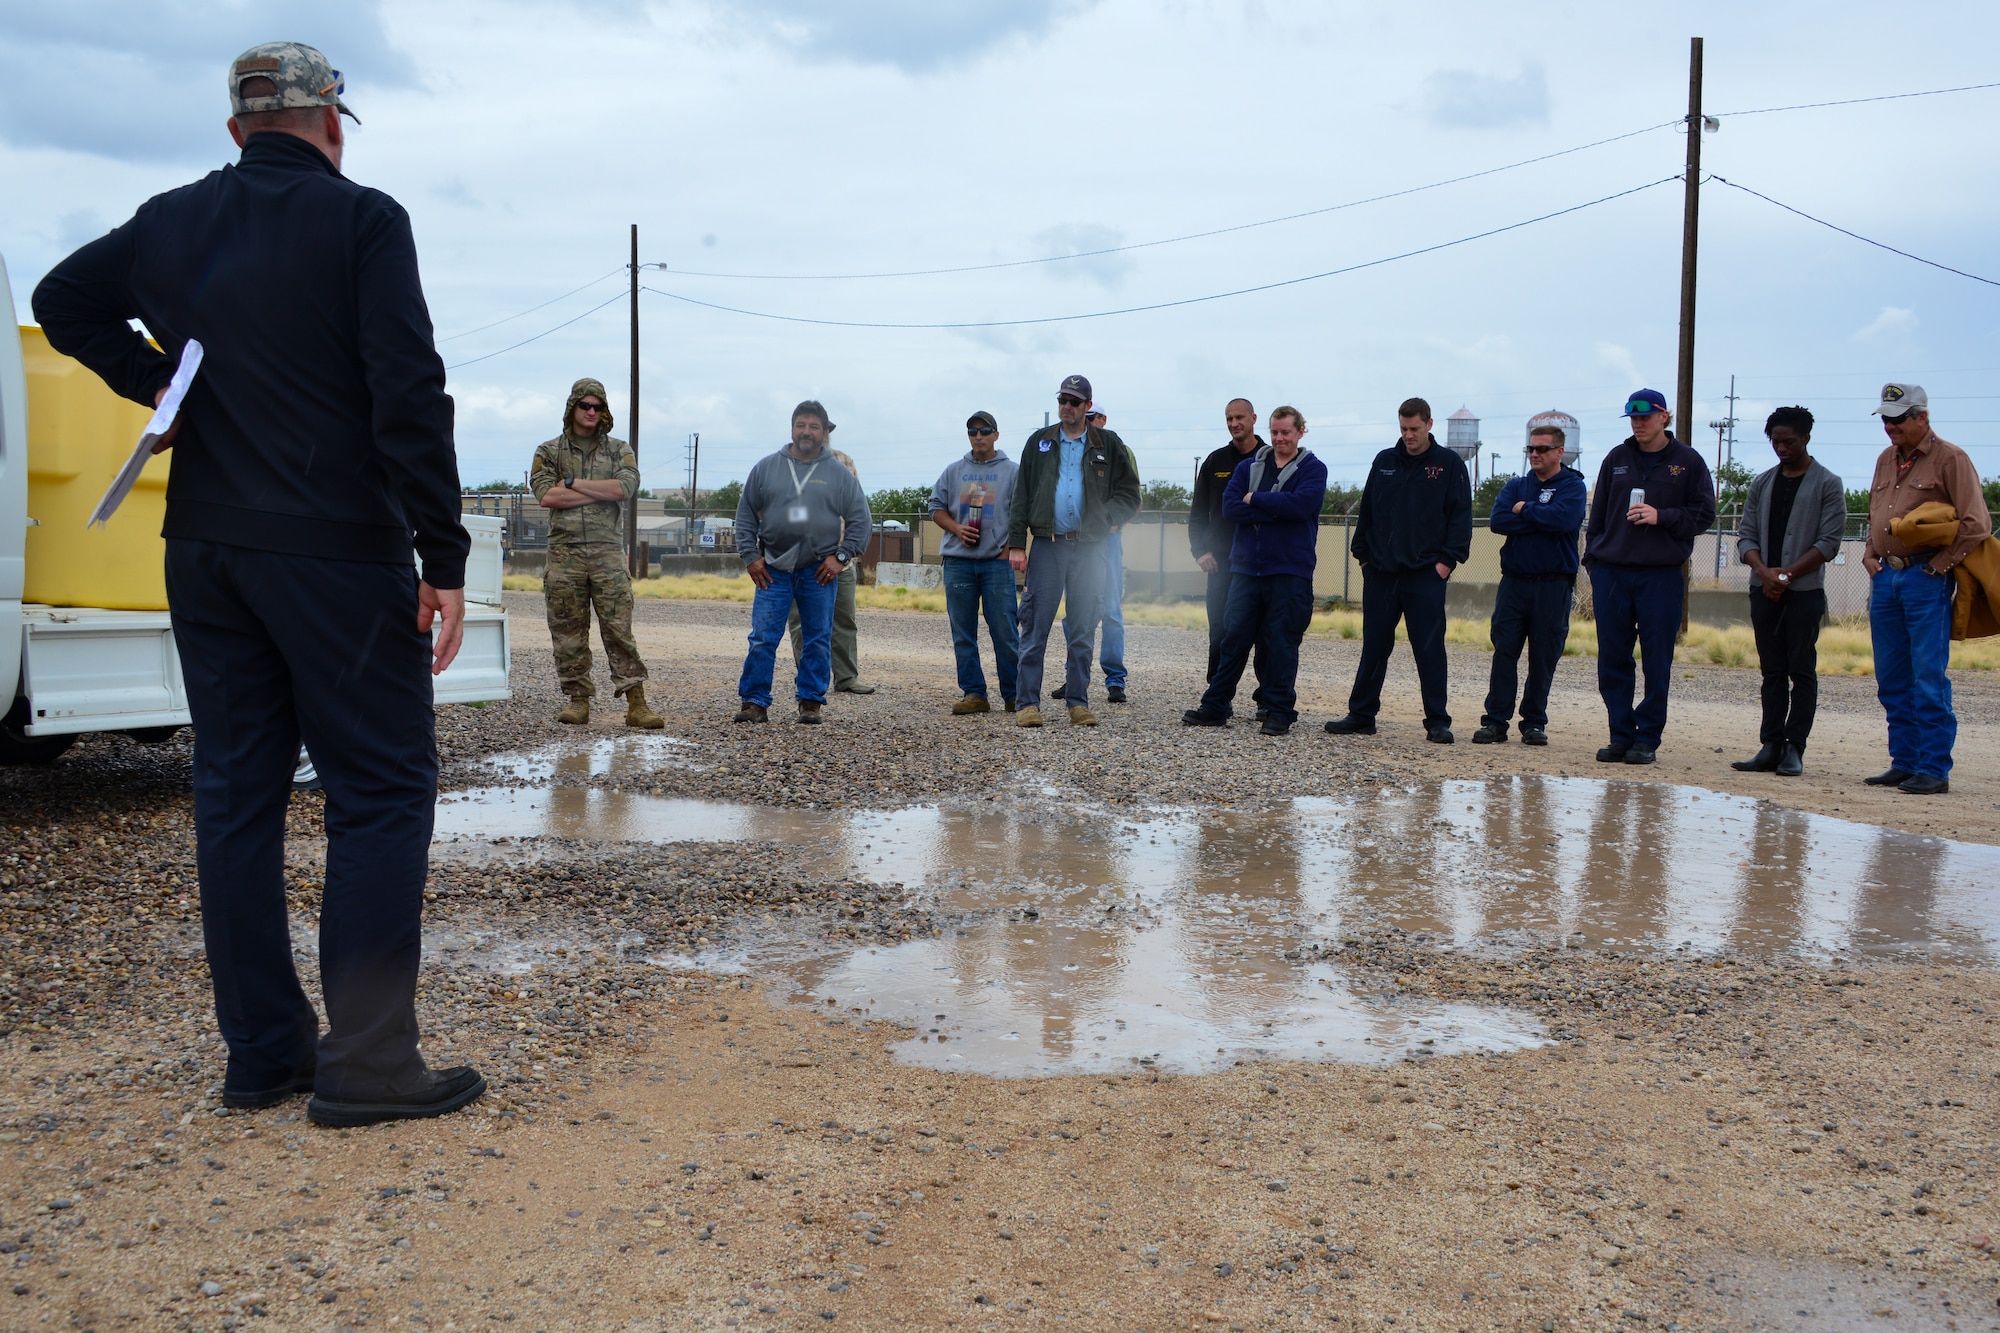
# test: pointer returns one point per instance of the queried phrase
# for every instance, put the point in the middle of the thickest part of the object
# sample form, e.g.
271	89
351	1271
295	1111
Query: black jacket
318	424
1676	480
1210	531
1415	512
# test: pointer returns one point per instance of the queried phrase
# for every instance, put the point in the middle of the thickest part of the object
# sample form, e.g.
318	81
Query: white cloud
1079	238
1614	357
1894	323
917	36
1466	99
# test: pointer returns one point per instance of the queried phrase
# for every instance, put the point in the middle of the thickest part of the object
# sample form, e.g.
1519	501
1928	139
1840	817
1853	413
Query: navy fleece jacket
1415	511
1277	527
1677	483
1541	539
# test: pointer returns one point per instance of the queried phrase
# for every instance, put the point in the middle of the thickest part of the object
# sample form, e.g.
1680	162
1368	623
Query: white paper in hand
162	422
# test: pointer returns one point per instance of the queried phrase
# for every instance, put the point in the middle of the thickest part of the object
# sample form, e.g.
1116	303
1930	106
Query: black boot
1791	763
1764	761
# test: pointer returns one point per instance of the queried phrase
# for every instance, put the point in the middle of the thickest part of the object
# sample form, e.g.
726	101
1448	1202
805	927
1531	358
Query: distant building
1572	437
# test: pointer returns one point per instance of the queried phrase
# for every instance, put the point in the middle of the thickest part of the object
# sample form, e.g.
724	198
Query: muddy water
1085	938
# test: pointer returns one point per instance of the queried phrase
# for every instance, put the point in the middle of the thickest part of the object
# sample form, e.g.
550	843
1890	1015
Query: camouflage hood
577	391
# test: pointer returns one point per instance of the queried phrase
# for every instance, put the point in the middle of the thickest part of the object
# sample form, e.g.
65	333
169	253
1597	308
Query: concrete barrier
899	574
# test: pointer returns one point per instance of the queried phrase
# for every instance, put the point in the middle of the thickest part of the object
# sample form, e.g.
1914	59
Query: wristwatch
569	483
842	556
1784	577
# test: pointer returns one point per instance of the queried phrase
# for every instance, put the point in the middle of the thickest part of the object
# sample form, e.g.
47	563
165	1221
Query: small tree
1340	499
725	498
1992	488
498	485
1732	486
1163	495
1487	492
894	500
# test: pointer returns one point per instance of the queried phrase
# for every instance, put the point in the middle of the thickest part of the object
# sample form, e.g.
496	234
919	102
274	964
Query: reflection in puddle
611	756
1092	938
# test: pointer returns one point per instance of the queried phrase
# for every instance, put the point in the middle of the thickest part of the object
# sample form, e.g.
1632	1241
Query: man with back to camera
1274	500
315	441
1653	497
585	477
1211	533
1794	515
1540	514
970	502
1910	588
1075	484
1413	528
802	519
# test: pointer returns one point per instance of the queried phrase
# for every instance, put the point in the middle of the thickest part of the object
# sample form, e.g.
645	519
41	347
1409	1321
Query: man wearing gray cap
1910	587
1076	483
313	464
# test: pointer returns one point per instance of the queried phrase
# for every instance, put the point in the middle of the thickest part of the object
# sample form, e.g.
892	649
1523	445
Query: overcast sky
794	138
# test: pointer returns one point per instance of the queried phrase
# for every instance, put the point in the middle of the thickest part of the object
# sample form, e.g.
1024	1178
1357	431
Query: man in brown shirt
1910	590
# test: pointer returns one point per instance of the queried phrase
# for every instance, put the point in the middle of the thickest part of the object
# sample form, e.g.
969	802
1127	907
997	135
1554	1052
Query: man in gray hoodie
802	520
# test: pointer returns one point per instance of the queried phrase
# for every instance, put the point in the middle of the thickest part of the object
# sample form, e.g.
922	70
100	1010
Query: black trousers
1415	598
1218	626
275	648
1270	615
1535	612
1787	633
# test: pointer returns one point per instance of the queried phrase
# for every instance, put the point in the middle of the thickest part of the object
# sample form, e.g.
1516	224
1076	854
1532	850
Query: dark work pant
1534	612
1417	600
1787	633
1218	625
1268	614
275	649
1636	604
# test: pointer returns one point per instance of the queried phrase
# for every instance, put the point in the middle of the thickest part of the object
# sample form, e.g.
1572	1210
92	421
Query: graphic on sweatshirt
977	498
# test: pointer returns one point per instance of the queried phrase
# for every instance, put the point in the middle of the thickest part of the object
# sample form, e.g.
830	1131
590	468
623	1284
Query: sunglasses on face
980	430
590	407
1544	448
1066	401
1897	421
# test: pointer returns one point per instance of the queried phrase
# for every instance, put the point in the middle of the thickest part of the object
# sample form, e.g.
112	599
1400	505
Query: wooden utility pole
632	420
1690	230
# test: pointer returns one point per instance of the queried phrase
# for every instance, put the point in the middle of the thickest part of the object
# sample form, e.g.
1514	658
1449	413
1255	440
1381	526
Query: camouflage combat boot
637	714
576	713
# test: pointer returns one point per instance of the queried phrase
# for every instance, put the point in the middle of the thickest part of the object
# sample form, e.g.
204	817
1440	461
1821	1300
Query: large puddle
1084	938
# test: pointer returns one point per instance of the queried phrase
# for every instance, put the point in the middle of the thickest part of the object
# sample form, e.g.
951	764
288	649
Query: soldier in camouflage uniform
584	477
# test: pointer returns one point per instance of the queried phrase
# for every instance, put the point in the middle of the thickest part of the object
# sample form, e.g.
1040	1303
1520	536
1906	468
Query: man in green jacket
1076	484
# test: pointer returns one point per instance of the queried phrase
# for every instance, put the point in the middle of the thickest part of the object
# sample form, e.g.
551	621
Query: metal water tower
1461	435
1572	437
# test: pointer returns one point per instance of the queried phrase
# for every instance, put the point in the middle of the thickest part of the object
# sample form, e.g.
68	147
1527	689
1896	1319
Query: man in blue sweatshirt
1653	496
1540	514
1274	499
1414	527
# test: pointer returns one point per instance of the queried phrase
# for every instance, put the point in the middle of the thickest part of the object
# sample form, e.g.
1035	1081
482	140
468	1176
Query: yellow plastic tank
79	435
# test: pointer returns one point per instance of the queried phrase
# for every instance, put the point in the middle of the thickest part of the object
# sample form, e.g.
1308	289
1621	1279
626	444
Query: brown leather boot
637	714
576	712
809	712
750	712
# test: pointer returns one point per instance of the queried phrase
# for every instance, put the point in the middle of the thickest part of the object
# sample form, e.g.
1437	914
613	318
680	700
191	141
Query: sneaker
1194	717
1079	716
1492	734
1439	735
1532	736
856	686
750	712
1639	754
1613	753
1029	716
1275	726
809	712
1114	694
436	1092
971	703
1351	726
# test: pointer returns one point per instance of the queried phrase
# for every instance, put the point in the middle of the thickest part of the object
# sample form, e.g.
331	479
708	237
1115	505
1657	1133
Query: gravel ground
1735	1142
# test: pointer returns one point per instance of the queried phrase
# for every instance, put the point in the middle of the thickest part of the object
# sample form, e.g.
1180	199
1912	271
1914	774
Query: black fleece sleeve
85	307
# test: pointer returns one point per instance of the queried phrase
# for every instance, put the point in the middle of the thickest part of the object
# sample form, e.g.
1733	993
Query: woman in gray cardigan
1792	525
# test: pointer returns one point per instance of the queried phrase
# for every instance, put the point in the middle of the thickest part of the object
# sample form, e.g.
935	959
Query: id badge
798	515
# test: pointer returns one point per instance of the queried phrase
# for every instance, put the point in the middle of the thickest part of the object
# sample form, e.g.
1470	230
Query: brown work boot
576	712
637	714
1079	716
750	712
970	704
1029	716
809	712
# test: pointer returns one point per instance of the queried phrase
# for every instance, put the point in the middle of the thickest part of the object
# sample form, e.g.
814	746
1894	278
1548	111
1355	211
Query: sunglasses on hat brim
1638	407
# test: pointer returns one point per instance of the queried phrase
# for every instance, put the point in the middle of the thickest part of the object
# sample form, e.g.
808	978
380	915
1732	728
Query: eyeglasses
980	430
1899	420
1067	401
1544	448
590	407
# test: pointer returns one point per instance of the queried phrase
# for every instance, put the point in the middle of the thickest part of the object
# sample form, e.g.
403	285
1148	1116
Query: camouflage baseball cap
302	75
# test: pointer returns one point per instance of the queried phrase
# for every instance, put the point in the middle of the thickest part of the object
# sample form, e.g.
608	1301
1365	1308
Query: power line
1169	240
1161	305
1857	101
543	334
452	337
1855	234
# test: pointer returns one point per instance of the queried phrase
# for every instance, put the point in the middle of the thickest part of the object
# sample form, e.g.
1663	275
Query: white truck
70	669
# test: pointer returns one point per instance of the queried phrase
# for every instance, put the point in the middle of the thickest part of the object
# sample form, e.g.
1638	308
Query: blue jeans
1534	612
1909	619
1111	652
969	587
1072	573
1636	604
1269	614
769	611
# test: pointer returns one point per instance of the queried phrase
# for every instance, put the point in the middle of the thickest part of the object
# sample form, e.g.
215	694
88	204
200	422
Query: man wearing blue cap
1653	496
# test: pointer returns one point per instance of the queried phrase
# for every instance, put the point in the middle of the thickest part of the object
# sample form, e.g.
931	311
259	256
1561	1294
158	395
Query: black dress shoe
1350	726
1439	735
1275	726
1263	713
1490	734
1894	777
1764	761
1639	754
264	1098
1613	753
1790	764
1194	717
1534	736
1114	694
1923	784
435	1092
